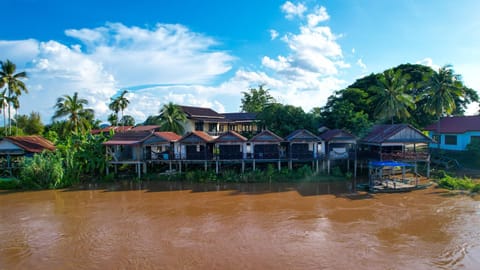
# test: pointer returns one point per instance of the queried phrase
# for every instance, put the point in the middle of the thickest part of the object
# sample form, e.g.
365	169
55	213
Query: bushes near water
456	183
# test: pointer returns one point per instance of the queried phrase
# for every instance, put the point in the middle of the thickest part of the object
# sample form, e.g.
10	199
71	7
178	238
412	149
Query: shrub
454	183
43	171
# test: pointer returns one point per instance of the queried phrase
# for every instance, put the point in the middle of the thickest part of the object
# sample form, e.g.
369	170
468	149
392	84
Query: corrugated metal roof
230	136
266	136
150	128
385	133
302	135
202	136
32	143
240	116
457	124
169	136
200	112
129	138
338	134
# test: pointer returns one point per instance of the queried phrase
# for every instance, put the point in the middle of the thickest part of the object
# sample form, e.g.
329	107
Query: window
475	140
450	139
212	127
246	127
199	126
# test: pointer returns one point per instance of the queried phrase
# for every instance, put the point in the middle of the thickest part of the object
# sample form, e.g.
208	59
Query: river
237	226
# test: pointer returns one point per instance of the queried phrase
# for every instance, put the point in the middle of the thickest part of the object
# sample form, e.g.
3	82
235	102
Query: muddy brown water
243	226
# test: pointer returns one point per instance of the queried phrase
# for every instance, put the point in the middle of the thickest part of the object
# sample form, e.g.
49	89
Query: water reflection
174	225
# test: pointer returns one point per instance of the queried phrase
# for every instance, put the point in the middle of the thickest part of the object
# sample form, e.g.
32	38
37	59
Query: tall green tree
73	108
391	99
14	83
172	118
3	106
113	119
444	88
120	103
255	100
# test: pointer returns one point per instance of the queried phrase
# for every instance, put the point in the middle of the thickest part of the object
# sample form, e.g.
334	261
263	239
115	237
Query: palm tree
16	105
119	103
392	100
14	83
72	107
444	88
3	105
171	118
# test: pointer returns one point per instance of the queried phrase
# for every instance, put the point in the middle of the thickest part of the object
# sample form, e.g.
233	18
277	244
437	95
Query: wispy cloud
273	34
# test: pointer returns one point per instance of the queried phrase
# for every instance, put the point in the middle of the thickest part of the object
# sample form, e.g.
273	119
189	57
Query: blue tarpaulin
389	164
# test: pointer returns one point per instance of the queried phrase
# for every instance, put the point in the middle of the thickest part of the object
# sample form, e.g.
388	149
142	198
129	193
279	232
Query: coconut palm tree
171	118
14	83
3	106
72	107
444	88
119	104
392	99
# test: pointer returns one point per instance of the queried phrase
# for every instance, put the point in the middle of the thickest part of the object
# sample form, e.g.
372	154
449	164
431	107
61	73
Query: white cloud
273	34
429	63
319	15
291	10
113	57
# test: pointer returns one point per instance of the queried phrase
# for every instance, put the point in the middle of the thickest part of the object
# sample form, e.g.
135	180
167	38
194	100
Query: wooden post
206	165
254	164
243	166
279	165
328	166
216	166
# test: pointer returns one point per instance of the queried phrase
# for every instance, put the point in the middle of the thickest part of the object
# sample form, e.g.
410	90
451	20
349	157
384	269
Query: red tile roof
457	124
169	136
33	143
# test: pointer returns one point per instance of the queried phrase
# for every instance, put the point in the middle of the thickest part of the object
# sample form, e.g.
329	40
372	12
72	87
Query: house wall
462	141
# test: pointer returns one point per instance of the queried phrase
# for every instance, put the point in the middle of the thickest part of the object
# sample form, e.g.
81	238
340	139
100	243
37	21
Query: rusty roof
456	124
32	143
169	136
199	134
150	128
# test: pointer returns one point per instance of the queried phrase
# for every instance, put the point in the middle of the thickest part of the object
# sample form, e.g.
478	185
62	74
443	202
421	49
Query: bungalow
161	146
303	145
399	142
454	132
196	145
266	145
20	146
231	146
339	144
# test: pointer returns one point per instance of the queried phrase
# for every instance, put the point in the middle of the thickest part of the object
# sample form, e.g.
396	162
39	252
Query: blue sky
205	53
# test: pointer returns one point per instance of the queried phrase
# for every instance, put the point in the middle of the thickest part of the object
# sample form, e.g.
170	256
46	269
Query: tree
256	100
119	103
113	119
391	99
30	124
172	118
127	120
72	107
4	105
284	119
444	88
14	83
